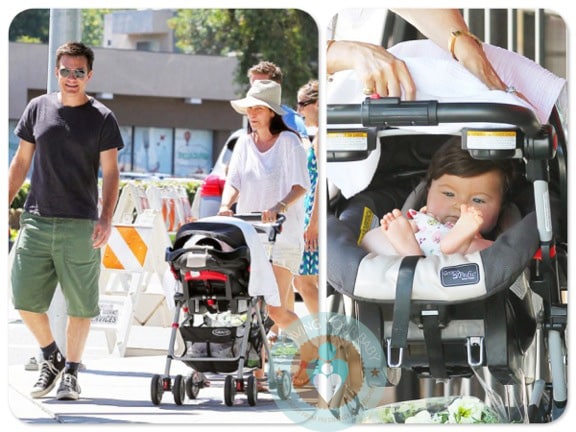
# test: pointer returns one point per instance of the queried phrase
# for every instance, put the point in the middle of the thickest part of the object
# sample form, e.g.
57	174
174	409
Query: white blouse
265	178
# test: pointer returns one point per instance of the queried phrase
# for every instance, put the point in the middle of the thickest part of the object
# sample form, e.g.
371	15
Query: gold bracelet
283	206
455	35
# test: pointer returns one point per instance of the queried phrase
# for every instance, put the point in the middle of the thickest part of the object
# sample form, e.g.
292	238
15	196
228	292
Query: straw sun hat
262	93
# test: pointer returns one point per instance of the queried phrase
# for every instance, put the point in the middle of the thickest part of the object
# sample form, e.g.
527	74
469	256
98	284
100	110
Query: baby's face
483	192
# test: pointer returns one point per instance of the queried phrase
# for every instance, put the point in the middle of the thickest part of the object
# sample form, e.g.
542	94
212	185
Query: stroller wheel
283	384
252	390
229	390
156	390
178	390
192	384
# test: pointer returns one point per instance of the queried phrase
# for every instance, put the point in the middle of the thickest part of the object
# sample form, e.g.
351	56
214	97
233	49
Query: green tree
93	26
30	26
287	37
33	26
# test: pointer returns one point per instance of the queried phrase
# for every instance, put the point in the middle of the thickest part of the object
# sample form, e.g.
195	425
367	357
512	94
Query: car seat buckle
475	350
399	356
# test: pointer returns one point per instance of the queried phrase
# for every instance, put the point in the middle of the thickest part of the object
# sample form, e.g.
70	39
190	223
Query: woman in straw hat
268	173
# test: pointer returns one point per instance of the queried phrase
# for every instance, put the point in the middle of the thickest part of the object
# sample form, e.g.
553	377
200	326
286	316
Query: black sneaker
50	371
69	388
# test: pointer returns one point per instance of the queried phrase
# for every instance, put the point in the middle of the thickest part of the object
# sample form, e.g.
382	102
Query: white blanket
438	77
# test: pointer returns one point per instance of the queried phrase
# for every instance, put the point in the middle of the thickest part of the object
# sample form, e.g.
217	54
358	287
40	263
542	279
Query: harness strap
401	318
433	339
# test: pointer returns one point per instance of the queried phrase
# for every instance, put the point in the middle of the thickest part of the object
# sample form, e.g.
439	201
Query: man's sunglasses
78	73
302	104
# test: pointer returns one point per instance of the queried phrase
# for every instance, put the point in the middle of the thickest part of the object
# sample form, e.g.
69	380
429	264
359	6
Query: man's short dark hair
76	49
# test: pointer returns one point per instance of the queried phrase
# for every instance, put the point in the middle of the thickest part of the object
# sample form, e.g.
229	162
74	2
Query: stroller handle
391	111
255	219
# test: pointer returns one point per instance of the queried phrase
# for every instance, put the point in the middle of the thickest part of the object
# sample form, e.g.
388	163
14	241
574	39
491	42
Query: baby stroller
223	325
446	317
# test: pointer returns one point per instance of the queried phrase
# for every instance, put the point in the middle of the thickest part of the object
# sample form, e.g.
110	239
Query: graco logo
348	373
221	332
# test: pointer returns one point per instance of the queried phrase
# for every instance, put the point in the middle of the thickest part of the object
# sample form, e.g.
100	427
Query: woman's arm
229	197
384	74
439	26
311	230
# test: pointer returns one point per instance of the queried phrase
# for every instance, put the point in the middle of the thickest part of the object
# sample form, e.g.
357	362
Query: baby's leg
400	233
375	241
460	237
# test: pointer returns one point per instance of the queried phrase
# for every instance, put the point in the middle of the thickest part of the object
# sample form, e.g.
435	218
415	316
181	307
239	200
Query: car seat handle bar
394	112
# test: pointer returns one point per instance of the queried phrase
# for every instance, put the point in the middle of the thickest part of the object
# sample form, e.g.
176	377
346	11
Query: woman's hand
270	215
380	71
225	211
311	237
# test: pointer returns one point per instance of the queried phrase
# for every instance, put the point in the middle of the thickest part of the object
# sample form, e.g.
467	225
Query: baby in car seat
464	200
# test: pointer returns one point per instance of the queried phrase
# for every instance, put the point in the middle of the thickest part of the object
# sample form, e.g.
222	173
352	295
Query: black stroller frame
415	334
216	281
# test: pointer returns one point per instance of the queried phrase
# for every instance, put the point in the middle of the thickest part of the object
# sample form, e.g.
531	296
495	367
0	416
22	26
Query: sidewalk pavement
116	390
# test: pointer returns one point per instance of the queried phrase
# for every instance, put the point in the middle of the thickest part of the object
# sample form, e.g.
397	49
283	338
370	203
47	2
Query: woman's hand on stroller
224	210
270	215
381	72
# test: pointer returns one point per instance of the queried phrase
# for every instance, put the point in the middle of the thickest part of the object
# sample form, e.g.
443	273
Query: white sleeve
298	166
237	162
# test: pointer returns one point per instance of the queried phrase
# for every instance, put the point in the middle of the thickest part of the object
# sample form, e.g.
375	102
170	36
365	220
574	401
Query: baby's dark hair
451	159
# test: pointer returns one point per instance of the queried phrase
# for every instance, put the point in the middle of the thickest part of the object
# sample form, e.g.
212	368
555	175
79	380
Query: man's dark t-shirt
68	143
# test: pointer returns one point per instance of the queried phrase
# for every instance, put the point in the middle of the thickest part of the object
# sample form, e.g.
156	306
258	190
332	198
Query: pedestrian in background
306	282
67	136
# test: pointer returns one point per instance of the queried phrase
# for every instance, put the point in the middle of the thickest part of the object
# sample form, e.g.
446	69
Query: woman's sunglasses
302	104
78	73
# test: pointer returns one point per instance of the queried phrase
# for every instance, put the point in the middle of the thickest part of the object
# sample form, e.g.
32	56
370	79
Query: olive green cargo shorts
51	251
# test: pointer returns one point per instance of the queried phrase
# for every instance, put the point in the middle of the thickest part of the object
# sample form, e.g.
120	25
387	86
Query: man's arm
110	184
19	167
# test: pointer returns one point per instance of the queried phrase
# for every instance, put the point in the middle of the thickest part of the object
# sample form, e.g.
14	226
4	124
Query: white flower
465	410
420	418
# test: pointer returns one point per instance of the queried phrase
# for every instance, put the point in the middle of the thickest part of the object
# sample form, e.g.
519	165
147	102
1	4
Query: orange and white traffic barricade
183	207
133	266
132	202
173	202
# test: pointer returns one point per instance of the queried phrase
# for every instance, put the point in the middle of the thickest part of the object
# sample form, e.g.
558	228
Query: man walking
67	136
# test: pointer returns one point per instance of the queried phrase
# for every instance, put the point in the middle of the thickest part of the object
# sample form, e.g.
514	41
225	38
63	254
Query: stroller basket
219	348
